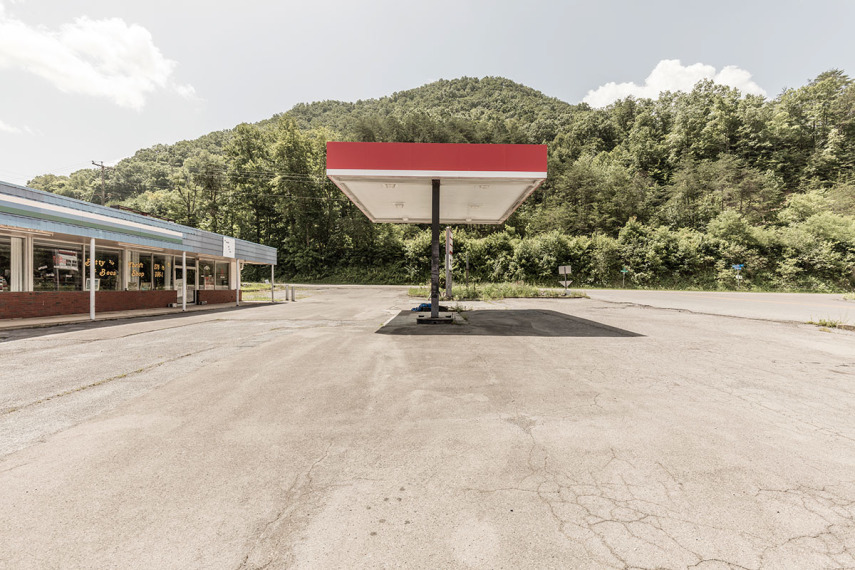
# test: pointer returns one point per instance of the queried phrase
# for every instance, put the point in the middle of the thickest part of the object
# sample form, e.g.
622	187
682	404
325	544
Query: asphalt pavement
793	307
335	432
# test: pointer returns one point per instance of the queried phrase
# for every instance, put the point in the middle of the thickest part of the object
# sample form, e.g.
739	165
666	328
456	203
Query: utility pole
103	191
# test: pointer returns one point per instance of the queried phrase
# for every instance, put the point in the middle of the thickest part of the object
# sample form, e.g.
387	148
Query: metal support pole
448	253
434	250
92	279
183	280
467	270
272	285
237	289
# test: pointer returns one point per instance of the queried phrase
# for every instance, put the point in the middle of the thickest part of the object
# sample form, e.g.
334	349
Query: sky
96	80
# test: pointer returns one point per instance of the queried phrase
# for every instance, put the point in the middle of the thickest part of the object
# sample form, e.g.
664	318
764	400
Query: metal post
293	294
434	250
237	289
272	285
449	247
467	270
92	279
183	280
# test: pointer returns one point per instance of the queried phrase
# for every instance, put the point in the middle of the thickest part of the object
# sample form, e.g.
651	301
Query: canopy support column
92	279
434	251
183	280
237	289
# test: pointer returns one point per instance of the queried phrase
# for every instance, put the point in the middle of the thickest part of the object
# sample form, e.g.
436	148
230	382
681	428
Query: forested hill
674	189
482	100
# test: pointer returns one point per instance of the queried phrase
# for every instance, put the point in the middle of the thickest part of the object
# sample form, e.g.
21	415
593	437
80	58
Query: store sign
136	269
103	268
64	259
228	247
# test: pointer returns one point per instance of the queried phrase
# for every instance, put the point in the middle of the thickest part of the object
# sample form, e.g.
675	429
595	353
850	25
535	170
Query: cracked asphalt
550	433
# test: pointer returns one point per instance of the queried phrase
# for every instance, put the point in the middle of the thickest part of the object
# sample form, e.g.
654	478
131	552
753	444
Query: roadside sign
738	266
564	271
624	270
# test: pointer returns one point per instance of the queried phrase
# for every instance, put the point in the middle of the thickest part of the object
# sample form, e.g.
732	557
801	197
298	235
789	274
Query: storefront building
50	245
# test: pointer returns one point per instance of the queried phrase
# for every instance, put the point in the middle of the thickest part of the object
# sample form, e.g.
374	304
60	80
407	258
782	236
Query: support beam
237	289
92	279
448	252
183	280
272	284
434	250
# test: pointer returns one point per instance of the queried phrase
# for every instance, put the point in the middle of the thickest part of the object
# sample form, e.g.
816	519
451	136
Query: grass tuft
828	323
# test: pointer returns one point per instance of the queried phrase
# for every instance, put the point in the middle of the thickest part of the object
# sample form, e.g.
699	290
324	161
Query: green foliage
675	189
495	292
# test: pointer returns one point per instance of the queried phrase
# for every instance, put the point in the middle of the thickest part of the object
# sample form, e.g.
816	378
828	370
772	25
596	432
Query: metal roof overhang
479	183
27	209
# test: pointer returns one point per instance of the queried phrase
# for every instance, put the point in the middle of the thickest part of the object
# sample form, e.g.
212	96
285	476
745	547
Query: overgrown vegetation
676	190
494	292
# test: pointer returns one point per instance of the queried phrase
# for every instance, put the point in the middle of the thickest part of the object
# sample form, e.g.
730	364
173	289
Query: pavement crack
101	382
302	486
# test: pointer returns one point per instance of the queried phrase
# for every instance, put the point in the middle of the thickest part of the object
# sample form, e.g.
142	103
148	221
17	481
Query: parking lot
335	433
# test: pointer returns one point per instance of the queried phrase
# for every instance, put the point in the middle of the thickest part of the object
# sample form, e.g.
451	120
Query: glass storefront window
57	266
5	264
139	271
162	272
107	267
221	277
206	274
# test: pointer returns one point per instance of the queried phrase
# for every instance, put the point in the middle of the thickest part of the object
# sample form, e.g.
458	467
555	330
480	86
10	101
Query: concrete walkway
37	322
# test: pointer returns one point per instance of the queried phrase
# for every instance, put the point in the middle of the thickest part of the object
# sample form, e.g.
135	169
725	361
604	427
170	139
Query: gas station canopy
479	183
420	183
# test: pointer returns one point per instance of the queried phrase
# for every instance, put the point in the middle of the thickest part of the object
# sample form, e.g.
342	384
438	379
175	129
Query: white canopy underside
463	200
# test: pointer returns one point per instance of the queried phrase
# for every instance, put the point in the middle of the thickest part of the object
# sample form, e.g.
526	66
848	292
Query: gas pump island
427	183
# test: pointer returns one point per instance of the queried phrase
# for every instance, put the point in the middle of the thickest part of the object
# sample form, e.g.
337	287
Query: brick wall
213	297
50	303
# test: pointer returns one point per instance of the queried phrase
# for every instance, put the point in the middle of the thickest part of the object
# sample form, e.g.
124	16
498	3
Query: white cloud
6	128
102	58
671	75
11	129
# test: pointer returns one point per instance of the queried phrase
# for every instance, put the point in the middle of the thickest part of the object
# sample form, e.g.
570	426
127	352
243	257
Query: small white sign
564	270
566	283
64	259
228	246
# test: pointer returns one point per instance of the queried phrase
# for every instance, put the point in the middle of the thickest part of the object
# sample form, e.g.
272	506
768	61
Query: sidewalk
37	322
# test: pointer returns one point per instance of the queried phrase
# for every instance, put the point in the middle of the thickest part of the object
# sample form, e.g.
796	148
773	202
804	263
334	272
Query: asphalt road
795	307
555	433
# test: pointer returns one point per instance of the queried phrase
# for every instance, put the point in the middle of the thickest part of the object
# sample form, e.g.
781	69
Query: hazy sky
97	79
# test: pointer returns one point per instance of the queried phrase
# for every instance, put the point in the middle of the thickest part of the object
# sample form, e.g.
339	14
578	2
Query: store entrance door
191	284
